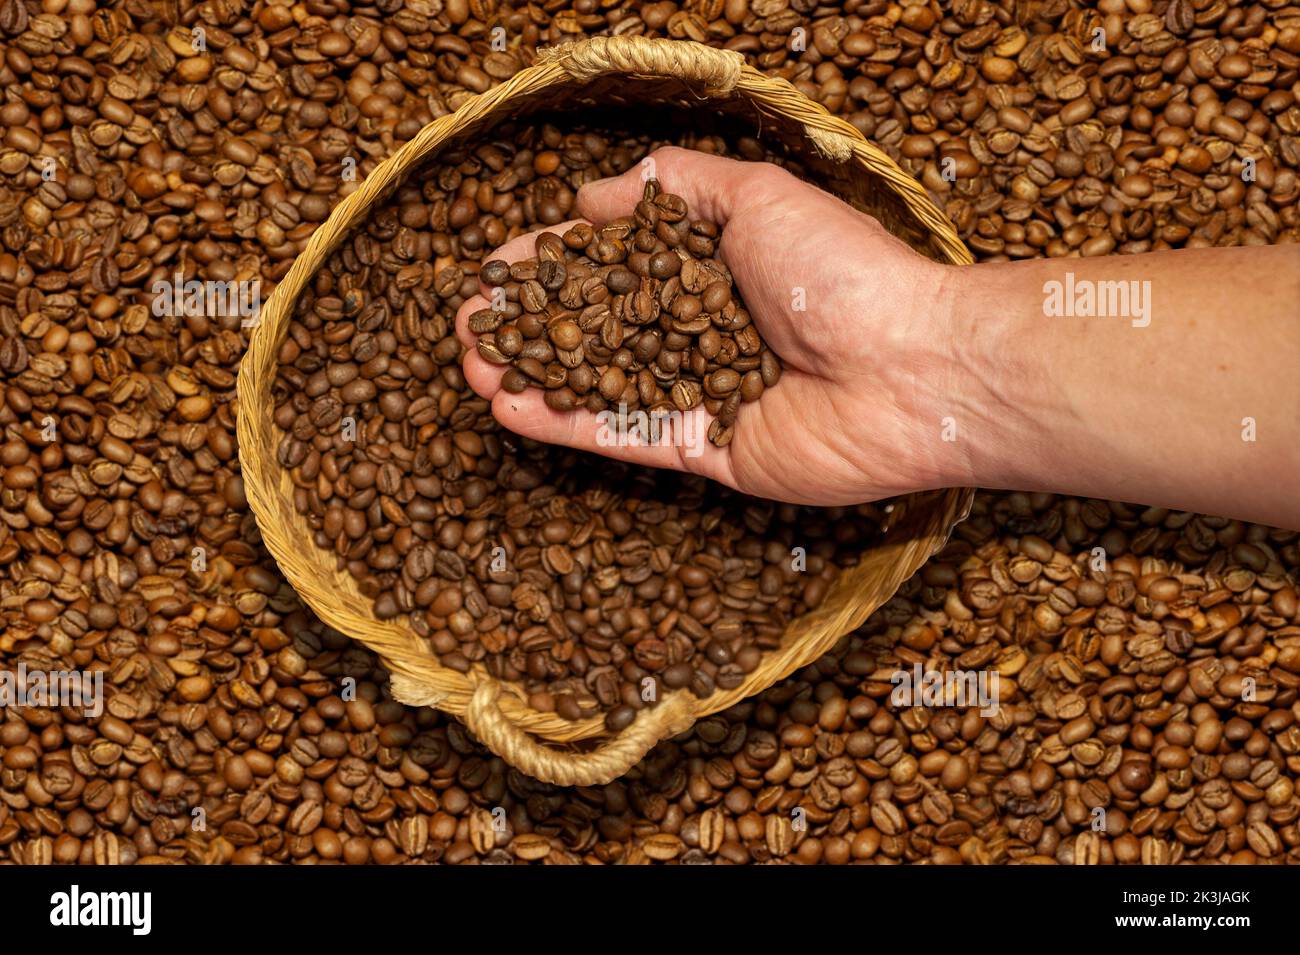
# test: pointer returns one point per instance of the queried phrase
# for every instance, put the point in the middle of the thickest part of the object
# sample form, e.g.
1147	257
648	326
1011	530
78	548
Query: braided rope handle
594	767
716	71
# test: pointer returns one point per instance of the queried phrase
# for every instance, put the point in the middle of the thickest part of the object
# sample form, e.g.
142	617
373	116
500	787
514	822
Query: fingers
714	188
677	442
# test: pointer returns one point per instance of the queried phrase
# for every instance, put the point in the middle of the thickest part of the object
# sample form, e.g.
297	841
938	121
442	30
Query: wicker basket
602	71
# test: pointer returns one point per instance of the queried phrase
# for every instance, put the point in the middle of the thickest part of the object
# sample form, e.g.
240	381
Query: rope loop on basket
831	145
411	690
716	71
595	767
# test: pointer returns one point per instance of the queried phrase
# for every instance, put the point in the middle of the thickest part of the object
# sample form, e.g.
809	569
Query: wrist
1002	377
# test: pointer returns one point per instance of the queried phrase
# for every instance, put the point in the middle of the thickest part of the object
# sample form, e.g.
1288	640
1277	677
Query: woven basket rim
416	676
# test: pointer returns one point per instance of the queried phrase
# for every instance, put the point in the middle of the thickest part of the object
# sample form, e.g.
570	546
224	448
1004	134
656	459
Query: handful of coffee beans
636	315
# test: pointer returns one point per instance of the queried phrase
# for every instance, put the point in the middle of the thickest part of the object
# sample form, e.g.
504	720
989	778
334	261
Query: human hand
851	311
904	375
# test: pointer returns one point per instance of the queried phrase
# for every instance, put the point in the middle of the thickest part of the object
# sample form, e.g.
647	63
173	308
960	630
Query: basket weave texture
600	71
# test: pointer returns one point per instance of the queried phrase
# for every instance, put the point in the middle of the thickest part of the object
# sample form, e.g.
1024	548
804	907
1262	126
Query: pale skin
904	374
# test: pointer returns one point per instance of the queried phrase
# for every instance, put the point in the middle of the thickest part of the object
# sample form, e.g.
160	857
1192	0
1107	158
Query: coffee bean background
1121	690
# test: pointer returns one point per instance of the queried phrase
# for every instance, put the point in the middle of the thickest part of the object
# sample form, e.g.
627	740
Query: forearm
1189	399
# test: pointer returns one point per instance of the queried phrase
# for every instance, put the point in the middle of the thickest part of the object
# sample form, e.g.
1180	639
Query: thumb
714	188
